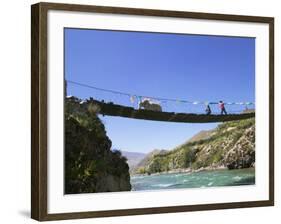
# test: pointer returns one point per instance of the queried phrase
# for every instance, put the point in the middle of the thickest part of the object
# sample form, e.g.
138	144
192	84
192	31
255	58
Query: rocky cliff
90	164
230	145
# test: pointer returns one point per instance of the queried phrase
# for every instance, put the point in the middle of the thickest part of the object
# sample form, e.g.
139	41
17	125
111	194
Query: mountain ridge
133	158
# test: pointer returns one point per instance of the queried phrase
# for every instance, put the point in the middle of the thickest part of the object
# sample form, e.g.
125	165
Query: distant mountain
148	157
133	158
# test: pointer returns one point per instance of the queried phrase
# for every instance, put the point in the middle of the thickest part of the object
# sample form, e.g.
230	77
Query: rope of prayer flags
160	100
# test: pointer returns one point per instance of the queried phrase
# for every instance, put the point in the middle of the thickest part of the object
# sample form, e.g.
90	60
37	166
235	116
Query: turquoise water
194	180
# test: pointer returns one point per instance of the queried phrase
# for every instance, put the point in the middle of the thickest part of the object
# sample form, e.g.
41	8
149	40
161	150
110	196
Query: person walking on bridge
222	107
208	109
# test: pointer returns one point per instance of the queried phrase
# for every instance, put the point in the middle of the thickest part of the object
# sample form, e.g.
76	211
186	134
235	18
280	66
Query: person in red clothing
221	106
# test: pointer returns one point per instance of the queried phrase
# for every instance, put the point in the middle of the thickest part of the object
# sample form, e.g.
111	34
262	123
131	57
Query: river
194	179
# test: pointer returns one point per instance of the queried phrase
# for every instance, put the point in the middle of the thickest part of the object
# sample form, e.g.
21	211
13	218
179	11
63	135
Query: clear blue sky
188	67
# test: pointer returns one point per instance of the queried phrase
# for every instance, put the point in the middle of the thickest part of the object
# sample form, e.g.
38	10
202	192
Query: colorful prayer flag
132	99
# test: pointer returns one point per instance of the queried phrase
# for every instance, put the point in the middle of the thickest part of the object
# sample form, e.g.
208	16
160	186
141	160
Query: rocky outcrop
90	164
242	154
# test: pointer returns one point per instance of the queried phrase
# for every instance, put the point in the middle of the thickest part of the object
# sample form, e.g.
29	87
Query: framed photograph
141	111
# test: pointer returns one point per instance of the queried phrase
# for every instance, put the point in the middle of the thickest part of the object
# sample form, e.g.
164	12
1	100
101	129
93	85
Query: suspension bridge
121	104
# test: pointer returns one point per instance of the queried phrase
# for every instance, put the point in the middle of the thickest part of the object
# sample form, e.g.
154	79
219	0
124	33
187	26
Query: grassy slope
231	145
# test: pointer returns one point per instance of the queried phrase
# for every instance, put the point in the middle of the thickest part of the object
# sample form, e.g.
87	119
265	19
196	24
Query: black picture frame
39	106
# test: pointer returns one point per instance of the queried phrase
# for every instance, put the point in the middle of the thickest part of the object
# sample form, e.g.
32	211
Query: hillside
230	145
140	167
90	164
133	158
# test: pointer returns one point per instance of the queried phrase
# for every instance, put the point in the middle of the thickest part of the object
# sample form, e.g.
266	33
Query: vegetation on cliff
231	145
90	164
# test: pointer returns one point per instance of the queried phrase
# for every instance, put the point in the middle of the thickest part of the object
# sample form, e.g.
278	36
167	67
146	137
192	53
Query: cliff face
231	145
90	164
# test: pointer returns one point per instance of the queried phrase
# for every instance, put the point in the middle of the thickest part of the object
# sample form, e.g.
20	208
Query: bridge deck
129	112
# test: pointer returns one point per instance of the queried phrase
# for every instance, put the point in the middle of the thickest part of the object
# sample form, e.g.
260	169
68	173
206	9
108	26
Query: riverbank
184	170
